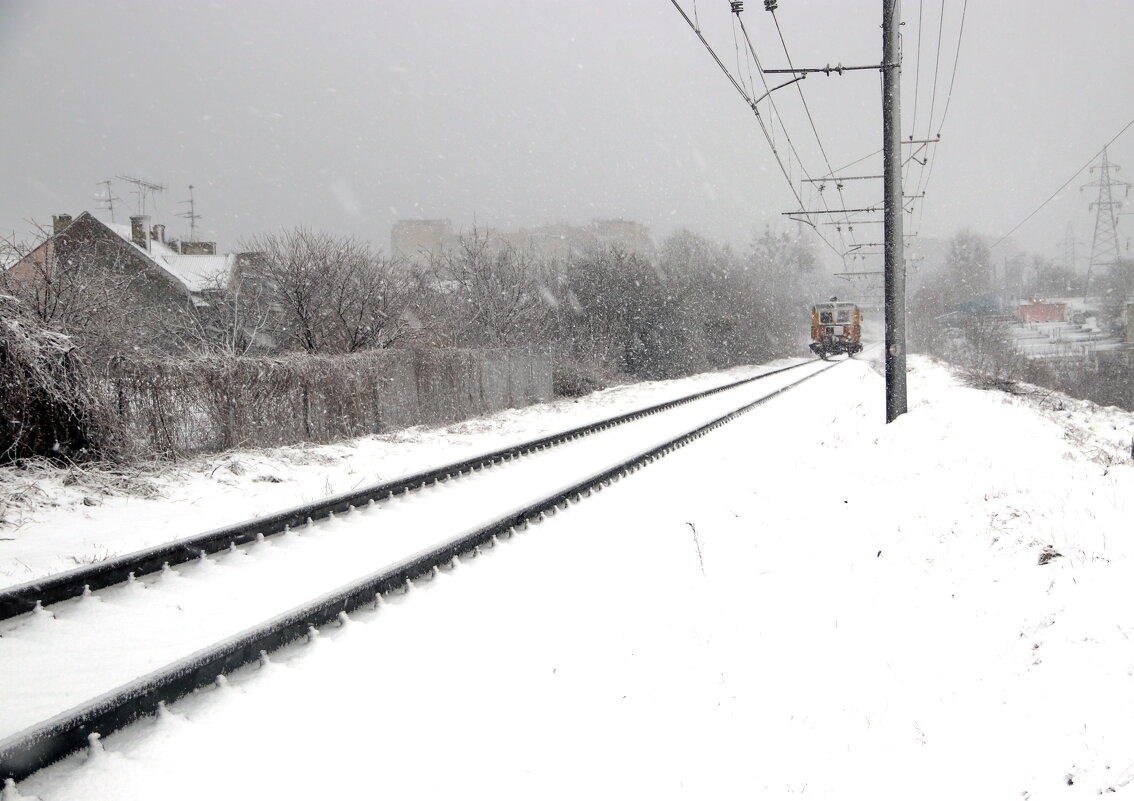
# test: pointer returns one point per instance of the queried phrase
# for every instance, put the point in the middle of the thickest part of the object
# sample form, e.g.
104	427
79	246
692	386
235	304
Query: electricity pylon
1104	244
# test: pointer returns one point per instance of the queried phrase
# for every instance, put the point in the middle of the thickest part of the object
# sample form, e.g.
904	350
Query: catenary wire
811	120
945	113
740	89
953	77
932	96
787	136
917	64
917	82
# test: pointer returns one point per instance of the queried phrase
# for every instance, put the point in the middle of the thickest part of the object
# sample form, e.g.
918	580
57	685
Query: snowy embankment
806	602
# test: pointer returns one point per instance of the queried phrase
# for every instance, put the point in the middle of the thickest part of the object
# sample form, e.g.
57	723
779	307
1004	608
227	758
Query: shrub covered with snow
50	404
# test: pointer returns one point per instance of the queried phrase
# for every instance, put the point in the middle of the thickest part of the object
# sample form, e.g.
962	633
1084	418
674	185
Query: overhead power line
811	120
917	64
1065	184
925	174
756	112
859	161
936	70
772	102
921	172
953	77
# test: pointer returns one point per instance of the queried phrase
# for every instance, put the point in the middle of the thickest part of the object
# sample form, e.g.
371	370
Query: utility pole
894	267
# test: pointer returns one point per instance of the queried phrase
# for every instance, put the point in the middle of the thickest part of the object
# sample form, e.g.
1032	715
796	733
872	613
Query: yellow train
835	328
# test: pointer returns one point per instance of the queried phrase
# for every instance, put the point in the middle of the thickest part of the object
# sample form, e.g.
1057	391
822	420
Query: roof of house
198	273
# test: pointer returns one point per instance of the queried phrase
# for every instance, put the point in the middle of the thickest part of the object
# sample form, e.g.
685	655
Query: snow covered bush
50	404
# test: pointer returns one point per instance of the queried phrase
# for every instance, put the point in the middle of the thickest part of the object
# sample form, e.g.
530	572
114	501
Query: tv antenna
109	198
143	189
191	215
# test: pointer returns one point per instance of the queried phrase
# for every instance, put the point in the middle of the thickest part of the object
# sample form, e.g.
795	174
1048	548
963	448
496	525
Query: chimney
199	248
59	222
140	231
158	232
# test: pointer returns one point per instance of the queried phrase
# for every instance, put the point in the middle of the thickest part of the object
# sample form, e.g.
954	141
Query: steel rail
25	752
51	589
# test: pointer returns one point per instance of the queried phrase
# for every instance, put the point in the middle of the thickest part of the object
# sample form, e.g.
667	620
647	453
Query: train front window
844	316
826	317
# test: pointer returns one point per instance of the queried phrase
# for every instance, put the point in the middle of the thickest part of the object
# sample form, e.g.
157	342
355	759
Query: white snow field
806	602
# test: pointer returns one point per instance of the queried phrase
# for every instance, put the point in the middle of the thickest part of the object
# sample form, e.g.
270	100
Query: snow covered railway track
73	583
46	737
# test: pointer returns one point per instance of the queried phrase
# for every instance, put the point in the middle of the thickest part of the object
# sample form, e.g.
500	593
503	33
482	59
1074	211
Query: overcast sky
347	116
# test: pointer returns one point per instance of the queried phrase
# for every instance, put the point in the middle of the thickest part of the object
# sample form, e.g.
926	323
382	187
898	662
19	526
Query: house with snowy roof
193	268
160	280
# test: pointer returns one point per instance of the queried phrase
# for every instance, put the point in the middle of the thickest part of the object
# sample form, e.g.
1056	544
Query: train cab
836	327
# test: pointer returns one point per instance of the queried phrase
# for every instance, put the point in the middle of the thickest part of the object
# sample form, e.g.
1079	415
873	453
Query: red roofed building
1039	310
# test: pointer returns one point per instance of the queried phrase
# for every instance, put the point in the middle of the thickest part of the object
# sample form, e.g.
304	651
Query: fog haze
348	116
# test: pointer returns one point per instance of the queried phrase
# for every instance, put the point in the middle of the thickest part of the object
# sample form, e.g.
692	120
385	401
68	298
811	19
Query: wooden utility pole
894	268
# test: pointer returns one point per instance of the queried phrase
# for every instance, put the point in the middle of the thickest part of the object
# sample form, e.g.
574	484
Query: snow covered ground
54	520
807	602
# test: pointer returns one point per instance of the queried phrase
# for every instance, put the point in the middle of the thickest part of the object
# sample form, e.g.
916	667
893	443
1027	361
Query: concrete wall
214	404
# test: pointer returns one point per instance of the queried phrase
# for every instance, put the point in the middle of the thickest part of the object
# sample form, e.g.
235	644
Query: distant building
632	236
417	241
1039	310
982	306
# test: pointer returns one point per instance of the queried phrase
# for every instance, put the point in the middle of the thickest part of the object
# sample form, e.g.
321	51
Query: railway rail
41	743
73	583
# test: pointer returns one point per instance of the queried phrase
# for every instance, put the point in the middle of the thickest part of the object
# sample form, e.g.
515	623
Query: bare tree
715	300
613	308
1115	290
492	292
330	294
969	267
775	291
368	304
94	292
231	318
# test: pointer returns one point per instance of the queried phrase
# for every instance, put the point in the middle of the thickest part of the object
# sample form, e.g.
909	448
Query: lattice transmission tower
1104	244
1070	250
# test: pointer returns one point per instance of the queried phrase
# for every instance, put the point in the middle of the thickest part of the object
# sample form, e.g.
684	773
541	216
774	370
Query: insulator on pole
737	6
770	5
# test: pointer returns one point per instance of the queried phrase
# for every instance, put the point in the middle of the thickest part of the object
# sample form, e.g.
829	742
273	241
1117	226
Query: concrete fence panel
212	404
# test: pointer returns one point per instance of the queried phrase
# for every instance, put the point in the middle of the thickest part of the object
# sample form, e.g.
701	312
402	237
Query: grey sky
349	115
